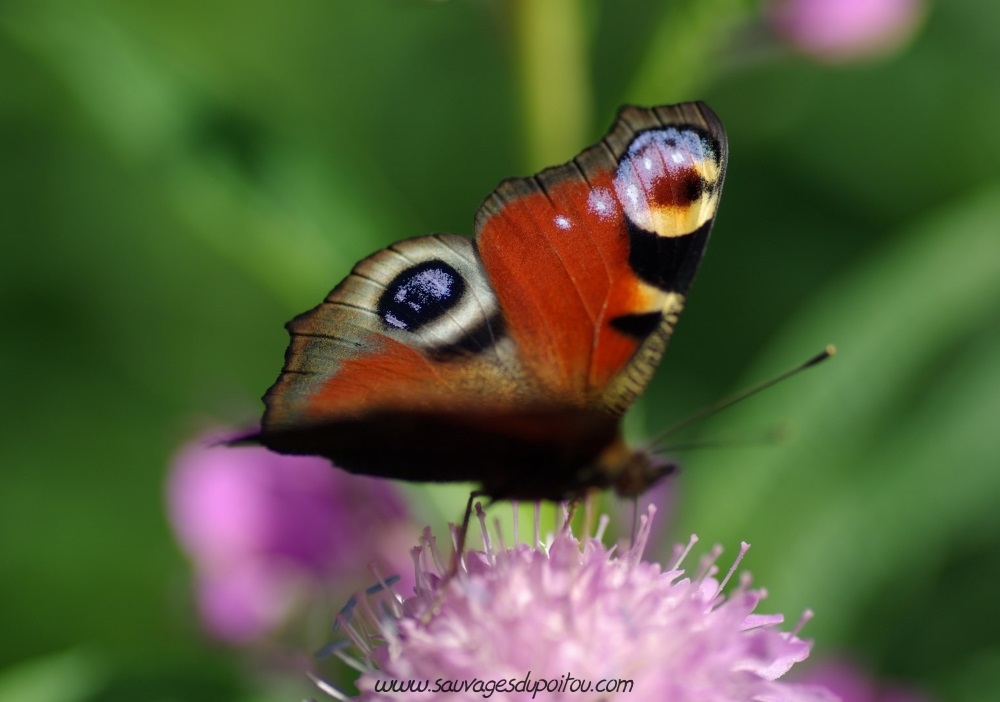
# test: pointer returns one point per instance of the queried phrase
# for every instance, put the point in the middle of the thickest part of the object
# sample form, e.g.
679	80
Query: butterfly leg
460	537
569	514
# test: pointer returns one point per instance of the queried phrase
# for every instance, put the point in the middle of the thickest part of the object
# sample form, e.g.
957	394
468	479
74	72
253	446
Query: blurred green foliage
178	179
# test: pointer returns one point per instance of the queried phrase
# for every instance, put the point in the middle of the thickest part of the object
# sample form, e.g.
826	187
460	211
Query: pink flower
249	599
844	30
263	529
562	618
851	684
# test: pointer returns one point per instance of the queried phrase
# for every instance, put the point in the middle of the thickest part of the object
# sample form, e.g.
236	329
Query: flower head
845	30
577	620
263	530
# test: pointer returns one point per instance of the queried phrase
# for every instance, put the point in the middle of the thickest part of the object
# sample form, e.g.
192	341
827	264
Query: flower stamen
680	553
744	547
329	689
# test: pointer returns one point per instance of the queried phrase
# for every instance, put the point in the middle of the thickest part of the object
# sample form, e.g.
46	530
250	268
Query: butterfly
509	359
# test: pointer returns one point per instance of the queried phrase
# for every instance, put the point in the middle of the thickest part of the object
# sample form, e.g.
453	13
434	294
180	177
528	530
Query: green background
177	179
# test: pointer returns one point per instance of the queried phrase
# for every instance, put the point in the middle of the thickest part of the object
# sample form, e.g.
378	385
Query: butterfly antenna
778	434
829	351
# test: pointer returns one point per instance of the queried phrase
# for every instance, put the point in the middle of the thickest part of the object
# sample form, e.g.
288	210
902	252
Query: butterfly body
509	359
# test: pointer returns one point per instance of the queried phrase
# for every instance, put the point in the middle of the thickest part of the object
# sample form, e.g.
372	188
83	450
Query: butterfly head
632	472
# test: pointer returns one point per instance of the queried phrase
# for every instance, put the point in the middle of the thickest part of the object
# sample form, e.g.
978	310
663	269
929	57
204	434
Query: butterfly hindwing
414	327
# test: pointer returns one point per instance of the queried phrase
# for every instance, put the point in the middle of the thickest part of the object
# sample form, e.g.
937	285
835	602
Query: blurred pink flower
247	600
262	528
851	684
845	30
569	608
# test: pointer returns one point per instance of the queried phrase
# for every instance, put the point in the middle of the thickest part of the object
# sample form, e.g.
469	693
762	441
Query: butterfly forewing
591	260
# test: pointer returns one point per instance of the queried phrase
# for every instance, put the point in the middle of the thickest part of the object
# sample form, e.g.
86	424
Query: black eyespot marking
669	263
419	295
639	325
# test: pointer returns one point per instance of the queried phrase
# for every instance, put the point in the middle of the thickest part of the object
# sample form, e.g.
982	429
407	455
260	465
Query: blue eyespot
419	295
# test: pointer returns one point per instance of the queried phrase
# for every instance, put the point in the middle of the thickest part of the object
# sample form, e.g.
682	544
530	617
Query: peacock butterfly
509	359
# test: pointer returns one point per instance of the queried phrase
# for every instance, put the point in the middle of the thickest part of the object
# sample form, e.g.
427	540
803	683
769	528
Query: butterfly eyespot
419	295
664	170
